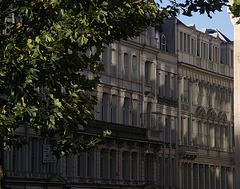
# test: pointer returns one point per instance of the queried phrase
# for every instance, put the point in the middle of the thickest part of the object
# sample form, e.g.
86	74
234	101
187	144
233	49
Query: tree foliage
235	9
49	45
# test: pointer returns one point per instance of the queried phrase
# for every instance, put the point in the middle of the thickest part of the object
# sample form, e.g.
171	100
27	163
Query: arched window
163	42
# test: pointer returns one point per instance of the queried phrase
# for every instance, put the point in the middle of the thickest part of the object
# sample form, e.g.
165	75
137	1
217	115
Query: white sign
47	154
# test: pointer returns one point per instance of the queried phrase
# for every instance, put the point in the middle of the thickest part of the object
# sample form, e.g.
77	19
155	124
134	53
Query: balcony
120	131
188	152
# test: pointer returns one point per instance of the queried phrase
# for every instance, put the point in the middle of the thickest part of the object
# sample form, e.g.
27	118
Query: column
236	97
192	180
214	177
204	176
179	109
197	176
120	106
180	168
190	121
207	176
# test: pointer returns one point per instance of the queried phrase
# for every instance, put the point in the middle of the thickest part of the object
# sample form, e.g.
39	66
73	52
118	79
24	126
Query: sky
220	21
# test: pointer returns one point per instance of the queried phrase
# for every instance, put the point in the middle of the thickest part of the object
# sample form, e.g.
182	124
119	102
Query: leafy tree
235	9
45	48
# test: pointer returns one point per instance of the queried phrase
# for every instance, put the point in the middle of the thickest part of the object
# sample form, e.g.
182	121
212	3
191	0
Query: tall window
181	41
135	113
81	169
212	135
217	136
185	43
134	165
167	129
105	107
193	46
210	51
134	68
147	72
126	66
34	155
167	83
205	133
188	43
114	62
114	108
126	165
104	59
198	47
186	90
126	111
184	124
149	115
158	39
195	133
149	168
163	43
90	163
113	163
104	159
172	86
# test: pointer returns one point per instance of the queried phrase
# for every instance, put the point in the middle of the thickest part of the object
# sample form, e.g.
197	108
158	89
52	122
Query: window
217	136
126	66
231	58
126	111
184	130
135	113
216	54
113	164
114	108
198	47
195	133
134	165
193	48
126	165
81	169
104	159
200	134
104	59
34	155
181	41
147	72
167	83
158	39
205	133
90	163
14	160
105	107
160	171
134	68
226	138
186	90
163	44
172	86
185	43
188	43
212	135
210	51
149	168
204	50
149	115
167	129
114	62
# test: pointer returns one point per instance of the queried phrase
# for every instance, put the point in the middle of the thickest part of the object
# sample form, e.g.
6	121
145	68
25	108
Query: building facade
167	98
